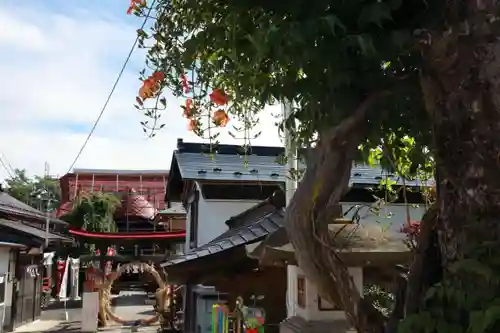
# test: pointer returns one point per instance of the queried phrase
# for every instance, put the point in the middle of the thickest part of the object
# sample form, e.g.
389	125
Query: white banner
63	290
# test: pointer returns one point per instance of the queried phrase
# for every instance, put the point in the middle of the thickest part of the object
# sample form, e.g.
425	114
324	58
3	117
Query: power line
112	90
7	165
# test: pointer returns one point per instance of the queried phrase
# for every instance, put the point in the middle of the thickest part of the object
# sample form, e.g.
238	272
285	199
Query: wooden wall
269	281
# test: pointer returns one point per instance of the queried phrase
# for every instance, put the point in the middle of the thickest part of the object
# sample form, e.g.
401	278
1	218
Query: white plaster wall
390	216
311	311
213	214
4	268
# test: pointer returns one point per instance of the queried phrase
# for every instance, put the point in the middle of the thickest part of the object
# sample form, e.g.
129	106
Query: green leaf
472	266
366	44
375	14
334	23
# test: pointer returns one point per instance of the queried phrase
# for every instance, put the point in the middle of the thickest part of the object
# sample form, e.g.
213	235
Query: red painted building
150	184
142	195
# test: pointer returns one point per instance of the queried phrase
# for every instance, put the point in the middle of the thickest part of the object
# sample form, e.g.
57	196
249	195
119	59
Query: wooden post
102	255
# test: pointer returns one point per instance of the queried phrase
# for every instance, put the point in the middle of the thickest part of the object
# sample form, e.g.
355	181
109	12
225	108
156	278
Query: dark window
2	290
301	292
238	191
193	217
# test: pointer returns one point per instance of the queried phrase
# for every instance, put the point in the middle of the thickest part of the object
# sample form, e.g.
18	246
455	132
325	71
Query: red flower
187	108
220	118
185	84
134	4
192	125
412	229
219	97
158	76
151	85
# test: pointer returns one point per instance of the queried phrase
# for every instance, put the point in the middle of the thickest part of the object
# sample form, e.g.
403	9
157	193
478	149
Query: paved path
129	305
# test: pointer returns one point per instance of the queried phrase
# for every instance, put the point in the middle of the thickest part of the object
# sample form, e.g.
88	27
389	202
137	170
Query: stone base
298	324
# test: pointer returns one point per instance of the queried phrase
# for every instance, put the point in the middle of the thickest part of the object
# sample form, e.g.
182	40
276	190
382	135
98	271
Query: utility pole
290	187
47	210
290	152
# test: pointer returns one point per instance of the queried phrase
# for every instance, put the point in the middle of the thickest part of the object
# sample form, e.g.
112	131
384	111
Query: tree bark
312	208
426	269
460	82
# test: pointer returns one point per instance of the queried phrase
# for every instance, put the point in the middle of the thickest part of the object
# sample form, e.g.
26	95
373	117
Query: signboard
90	310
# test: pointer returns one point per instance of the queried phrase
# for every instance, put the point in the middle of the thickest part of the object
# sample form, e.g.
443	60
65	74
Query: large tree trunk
460	82
312	208
461	85
426	269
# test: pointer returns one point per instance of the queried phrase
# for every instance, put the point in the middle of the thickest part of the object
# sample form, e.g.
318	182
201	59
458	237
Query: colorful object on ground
220	318
254	319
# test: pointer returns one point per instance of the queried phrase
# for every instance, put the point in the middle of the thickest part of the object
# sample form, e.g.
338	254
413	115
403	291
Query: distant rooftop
118	171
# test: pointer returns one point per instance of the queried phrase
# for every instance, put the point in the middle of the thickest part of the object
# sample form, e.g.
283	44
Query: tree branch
312	208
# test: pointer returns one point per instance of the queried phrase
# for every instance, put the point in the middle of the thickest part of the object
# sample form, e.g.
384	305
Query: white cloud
56	70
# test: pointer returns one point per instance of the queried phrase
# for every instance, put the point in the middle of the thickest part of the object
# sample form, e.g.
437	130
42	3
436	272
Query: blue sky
58	63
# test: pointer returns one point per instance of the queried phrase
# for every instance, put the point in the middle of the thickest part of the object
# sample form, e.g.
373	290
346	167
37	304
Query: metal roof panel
200	166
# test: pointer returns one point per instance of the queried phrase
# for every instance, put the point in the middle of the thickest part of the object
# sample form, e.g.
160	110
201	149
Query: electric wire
112	91
6	161
4	165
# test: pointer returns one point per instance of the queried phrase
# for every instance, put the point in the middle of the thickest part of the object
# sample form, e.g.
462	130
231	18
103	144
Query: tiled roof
9	201
243	235
194	161
120	172
31	230
11	206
